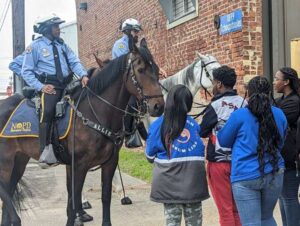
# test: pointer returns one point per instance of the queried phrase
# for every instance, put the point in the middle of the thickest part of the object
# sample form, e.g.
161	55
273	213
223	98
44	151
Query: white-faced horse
195	76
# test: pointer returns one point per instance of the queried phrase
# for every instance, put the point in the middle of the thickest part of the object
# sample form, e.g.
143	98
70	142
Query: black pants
48	102
128	120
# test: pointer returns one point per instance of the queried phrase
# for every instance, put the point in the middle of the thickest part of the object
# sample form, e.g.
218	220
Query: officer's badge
28	49
121	46
45	52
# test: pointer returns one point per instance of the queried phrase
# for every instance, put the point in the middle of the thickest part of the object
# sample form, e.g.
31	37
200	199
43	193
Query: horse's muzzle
156	109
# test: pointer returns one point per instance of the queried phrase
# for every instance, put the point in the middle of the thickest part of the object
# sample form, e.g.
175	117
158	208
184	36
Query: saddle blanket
24	122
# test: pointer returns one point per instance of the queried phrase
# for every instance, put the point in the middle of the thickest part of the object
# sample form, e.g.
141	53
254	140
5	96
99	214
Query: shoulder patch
121	46
28	49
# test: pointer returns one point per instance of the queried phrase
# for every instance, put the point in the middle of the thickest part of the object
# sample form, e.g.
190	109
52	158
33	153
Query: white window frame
182	19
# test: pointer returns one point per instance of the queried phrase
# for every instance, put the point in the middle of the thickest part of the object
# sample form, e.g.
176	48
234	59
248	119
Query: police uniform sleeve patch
28	49
121	46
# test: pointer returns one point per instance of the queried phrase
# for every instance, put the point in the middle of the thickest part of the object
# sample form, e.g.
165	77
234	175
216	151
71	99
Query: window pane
182	7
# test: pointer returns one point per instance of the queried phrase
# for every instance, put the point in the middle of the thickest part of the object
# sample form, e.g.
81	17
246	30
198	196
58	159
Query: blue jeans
289	203
256	199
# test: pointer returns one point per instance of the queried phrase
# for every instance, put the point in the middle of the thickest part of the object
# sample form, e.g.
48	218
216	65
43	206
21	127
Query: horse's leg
80	174
106	178
7	164
21	161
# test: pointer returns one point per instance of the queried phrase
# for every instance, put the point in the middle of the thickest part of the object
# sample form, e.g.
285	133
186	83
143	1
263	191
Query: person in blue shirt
130	27
256	135
177	151
46	66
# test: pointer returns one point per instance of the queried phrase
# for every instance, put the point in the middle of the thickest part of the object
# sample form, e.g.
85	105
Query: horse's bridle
144	98
203	67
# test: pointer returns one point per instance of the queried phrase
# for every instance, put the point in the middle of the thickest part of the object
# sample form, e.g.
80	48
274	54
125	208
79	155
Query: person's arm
298	138
227	135
28	66
291	110
151	142
119	49
16	65
209	121
75	63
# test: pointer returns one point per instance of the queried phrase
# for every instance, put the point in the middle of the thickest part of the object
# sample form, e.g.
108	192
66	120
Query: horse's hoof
84	216
16	223
86	205
106	224
78	221
126	201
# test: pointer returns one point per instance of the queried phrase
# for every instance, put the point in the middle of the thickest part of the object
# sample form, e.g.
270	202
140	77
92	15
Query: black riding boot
48	158
43	135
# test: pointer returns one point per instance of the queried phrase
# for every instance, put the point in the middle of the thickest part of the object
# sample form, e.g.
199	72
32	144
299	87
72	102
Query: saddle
24	122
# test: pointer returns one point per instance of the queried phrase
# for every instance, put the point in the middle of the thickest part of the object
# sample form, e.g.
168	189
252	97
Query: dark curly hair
178	104
226	75
259	104
291	75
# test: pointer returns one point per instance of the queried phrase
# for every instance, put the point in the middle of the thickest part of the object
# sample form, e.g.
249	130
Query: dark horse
102	103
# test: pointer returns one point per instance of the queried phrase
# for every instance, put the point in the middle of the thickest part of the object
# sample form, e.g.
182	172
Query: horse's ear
143	43
201	56
99	62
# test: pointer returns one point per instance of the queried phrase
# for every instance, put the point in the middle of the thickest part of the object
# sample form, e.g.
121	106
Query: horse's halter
203	67
144	98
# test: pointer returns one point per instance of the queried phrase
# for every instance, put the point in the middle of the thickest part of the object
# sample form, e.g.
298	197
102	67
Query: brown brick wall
175	48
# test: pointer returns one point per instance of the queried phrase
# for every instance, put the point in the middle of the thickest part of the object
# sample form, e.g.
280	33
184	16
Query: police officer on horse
131	29
47	64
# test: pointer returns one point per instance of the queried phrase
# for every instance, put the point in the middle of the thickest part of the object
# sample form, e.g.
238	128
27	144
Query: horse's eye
141	70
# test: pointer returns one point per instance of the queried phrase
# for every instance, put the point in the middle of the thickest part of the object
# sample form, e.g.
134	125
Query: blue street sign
231	22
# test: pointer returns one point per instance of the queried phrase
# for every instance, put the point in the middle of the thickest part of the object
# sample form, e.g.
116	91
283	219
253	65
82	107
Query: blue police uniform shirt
120	47
16	65
39	59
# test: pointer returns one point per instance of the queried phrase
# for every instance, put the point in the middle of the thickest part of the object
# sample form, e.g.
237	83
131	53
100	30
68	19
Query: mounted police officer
131	29
46	66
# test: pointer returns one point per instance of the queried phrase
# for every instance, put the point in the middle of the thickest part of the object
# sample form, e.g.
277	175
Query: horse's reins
203	67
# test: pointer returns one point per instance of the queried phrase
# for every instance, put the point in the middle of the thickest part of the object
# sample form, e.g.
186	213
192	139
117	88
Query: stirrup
47	158
45	165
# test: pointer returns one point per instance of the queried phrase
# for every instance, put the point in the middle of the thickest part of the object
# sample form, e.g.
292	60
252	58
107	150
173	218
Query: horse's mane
105	77
111	71
190	72
7	106
148	58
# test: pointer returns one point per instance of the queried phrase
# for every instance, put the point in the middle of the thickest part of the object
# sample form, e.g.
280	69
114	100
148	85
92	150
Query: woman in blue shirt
256	135
175	147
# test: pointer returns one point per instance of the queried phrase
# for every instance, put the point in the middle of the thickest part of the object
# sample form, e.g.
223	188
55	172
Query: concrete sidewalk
47	207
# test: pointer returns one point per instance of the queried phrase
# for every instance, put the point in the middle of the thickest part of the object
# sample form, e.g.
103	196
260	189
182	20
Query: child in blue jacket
175	147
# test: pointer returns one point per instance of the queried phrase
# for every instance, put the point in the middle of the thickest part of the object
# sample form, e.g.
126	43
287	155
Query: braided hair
259	105
291	75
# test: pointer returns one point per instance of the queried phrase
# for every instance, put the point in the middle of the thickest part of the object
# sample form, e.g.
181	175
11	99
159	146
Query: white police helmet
42	24
131	24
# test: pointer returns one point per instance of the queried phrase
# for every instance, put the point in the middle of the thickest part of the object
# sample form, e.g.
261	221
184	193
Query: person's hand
84	81
49	89
162	73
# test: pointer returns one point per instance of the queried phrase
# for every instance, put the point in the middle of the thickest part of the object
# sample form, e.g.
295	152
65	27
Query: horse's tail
22	192
7	200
